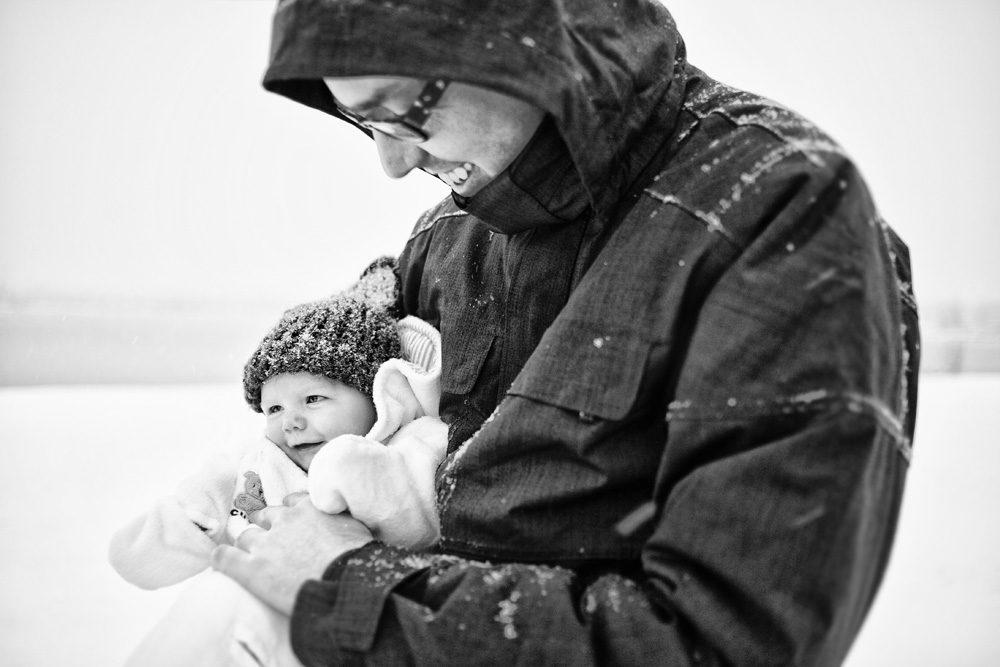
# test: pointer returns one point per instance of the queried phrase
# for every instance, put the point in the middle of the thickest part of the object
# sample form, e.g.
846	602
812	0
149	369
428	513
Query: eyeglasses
408	127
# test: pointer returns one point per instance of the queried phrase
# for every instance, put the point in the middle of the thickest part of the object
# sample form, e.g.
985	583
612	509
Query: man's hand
286	547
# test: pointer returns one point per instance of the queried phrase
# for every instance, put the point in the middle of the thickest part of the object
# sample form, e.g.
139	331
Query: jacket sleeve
174	538
767	554
770	556
771	522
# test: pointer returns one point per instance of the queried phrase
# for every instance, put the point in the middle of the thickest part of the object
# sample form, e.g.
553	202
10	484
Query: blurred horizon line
48	339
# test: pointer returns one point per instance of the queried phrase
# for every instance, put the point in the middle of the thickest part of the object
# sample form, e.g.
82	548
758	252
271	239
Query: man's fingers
293	499
232	562
240	566
264	517
245	540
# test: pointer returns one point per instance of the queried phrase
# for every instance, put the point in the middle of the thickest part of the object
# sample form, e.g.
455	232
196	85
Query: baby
350	398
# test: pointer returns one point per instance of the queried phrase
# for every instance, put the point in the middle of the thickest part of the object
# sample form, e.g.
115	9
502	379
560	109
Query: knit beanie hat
345	337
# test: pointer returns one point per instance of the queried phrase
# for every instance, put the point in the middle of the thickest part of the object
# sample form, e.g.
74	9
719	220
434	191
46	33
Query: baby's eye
274	409
314	398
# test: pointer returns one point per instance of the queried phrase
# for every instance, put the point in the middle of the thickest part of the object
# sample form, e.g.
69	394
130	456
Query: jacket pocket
589	368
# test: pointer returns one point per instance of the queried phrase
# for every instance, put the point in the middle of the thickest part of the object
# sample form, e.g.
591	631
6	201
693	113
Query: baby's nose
294	421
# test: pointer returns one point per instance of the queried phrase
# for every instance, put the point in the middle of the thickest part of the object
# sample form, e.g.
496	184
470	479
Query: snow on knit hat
345	337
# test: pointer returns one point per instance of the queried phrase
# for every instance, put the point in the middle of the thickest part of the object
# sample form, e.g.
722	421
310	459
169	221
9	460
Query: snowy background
61	604
158	210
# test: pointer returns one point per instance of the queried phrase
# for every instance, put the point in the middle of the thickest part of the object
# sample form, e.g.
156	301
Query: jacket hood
599	68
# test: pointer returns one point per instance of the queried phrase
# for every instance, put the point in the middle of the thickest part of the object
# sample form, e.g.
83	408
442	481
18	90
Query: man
679	352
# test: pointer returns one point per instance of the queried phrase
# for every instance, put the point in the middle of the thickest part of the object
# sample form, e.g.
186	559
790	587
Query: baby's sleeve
175	537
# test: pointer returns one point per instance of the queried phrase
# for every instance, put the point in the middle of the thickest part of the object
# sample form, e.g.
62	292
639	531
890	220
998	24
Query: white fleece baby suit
385	479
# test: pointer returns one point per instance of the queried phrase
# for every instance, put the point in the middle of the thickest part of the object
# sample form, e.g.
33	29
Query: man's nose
398	157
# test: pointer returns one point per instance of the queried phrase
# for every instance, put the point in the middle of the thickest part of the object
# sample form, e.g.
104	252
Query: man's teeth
458	175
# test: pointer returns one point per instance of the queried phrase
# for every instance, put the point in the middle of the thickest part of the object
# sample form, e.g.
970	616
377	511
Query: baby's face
305	411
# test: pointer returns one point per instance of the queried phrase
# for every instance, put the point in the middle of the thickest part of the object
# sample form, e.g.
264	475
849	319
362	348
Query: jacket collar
541	187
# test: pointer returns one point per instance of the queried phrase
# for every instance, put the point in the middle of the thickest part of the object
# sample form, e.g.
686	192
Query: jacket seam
807	402
809	147
710	220
432	222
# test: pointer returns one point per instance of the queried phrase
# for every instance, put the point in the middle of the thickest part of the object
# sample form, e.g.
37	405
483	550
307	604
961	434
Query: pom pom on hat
345	337
378	286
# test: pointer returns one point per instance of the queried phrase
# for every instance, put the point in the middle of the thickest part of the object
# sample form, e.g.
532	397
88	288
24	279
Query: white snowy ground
77	461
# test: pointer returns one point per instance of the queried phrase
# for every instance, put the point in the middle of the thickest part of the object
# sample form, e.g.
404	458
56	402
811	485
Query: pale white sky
140	157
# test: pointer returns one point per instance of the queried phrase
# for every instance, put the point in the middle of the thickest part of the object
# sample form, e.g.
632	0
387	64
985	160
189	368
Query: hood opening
599	69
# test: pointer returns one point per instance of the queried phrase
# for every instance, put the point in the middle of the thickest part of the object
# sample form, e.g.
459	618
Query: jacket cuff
339	615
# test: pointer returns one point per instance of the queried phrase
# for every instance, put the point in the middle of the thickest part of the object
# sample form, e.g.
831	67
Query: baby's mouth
303	446
457	176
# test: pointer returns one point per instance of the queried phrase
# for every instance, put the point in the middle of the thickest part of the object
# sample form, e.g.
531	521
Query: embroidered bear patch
252	499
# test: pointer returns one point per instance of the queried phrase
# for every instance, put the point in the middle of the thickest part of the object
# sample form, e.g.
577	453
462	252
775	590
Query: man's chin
472	186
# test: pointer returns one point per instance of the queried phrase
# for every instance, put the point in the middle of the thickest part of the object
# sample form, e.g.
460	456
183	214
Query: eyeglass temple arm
428	97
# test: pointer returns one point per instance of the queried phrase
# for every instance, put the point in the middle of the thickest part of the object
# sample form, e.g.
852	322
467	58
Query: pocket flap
462	361
585	367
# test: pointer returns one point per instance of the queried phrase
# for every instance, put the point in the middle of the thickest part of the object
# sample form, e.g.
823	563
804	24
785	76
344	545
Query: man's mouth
457	176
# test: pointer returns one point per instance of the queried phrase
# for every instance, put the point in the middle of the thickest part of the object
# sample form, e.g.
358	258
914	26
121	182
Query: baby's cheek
275	434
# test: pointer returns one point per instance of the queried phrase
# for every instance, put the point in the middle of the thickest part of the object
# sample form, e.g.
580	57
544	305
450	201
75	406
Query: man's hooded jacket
679	355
